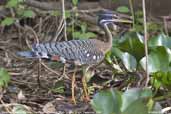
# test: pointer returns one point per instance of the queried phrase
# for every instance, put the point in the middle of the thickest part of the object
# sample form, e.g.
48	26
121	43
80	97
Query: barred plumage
79	51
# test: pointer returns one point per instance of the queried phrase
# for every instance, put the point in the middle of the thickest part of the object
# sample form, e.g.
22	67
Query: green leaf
19	109
59	87
163	78
76	35
83	27
133	101
107	102
28	13
158	60
7	21
128	60
4	77
160	40
123	9
108	57
12	3
74	2
55	13
136	107
67	14
135	95
88	35
132	43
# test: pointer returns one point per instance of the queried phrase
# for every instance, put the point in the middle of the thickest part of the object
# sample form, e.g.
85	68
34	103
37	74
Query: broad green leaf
7	21
136	107
160	40
107	102
158	60
157	109
4	77
28	13
128	60
123	9
131	43
133	101
133	95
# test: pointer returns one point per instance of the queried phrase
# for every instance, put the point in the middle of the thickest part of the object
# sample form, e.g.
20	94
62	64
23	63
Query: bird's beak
122	18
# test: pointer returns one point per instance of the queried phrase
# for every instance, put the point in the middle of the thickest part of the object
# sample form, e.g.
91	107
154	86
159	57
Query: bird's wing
78	51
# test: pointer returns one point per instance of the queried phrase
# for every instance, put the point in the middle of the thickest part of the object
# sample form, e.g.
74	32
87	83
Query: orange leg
87	98
84	81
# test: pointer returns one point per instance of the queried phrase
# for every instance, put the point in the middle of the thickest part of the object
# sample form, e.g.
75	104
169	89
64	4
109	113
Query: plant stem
145	42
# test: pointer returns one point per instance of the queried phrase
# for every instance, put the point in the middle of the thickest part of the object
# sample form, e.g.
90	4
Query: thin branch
132	12
59	30
145	42
63	16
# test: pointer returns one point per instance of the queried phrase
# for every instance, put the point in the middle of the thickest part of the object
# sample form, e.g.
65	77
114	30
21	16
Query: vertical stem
39	73
63	16
145	42
132	12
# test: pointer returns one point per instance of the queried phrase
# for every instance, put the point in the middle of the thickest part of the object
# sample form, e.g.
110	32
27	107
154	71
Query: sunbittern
81	52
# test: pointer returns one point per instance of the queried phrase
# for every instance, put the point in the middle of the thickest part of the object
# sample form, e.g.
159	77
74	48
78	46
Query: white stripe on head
104	21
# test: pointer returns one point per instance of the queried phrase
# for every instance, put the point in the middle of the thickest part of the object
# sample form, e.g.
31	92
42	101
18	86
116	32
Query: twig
145	43
59	30
132	12
49	69
165	25
6	107
34	33
63	16
39	73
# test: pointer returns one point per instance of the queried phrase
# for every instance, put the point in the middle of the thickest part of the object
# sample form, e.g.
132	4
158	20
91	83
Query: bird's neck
108	34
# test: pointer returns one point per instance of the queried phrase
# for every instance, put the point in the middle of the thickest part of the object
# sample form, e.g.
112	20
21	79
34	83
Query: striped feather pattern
79	51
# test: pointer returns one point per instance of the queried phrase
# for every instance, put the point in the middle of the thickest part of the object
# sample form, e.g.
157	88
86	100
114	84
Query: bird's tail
27	54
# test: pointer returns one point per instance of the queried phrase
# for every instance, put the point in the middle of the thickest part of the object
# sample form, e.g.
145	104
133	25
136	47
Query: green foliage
130	50
7	21
19	109
12	3
83	34
21	11
28	14
122	9
107	102
4	78
55	13
59	87
128	60
133	101
158	60
162	78
74	2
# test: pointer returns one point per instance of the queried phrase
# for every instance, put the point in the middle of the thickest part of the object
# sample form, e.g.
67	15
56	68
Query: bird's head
109	17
